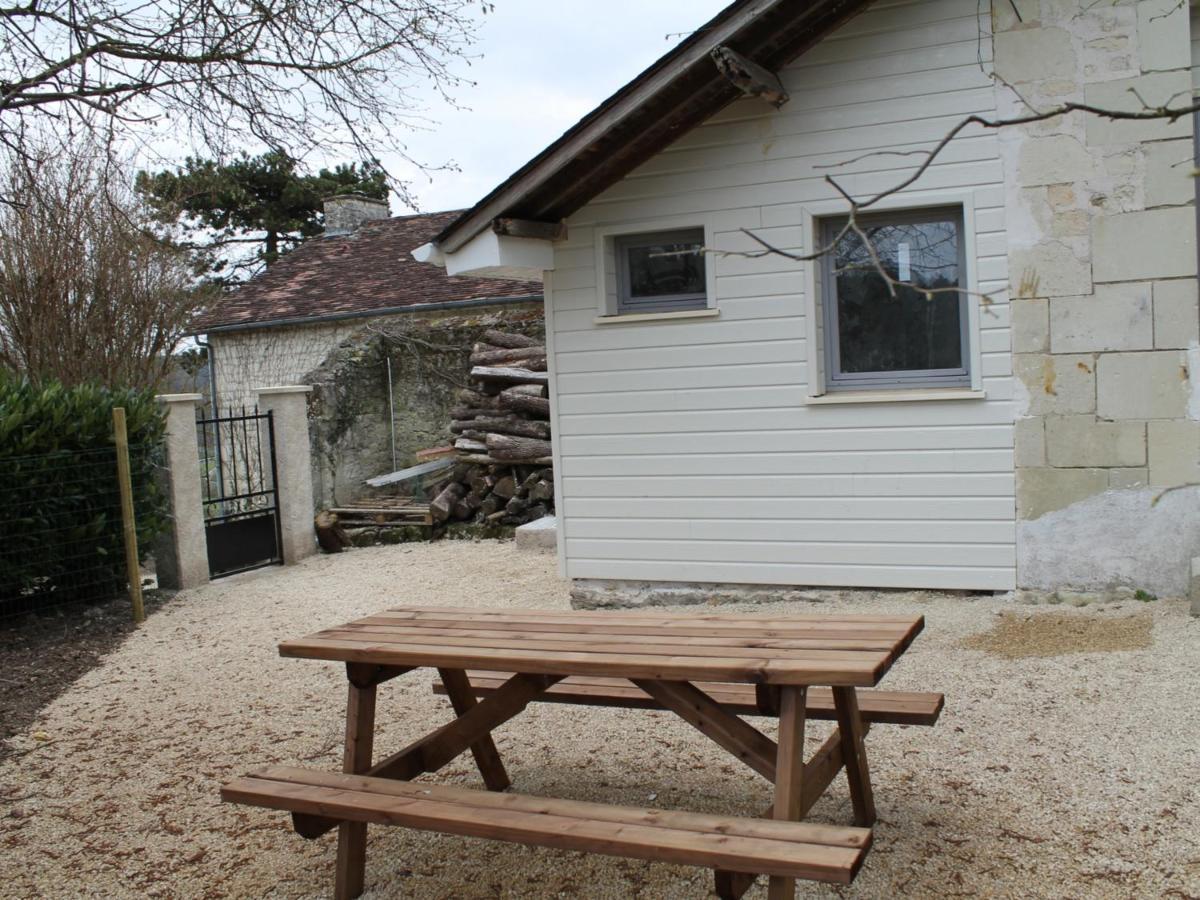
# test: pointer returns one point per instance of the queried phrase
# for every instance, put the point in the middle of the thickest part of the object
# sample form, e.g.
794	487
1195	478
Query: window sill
632	318
839	397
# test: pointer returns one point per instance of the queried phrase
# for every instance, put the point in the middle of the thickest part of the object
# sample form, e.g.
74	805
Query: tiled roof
370	269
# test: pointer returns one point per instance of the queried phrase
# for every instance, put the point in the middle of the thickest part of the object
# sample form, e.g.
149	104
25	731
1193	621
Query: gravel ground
77	636
1068	771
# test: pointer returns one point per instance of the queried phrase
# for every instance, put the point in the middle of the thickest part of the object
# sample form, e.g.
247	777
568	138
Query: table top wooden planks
834	650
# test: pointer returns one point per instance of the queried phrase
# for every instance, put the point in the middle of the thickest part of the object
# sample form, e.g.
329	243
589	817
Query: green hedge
60	517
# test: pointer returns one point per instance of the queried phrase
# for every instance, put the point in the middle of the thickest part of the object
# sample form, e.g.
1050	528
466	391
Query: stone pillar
293	468
181	555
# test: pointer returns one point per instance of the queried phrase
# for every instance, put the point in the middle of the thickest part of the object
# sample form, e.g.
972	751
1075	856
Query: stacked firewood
501	429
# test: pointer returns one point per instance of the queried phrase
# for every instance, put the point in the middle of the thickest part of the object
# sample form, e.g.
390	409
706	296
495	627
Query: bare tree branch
295	75
87	290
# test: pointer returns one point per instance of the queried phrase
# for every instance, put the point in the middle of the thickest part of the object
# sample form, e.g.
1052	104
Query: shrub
61	535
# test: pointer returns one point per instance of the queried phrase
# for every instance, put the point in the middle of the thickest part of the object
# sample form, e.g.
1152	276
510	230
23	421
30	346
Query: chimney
345	212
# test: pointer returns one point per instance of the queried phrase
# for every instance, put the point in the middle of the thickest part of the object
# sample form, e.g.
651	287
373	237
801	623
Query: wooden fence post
125	484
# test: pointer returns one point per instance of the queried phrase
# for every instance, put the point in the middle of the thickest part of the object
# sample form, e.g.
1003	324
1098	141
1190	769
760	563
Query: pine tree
263	202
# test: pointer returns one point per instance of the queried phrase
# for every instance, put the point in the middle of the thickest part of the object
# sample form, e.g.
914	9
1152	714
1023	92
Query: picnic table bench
709	669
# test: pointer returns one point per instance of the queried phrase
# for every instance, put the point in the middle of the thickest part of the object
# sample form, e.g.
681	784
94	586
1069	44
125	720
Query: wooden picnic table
707	668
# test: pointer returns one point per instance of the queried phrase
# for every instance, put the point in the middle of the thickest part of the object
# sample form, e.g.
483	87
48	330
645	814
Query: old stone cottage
1030	416
381	338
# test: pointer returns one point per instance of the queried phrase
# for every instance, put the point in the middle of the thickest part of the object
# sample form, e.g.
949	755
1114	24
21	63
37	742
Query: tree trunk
443	504
525	357
508	339
331	536
529	390
534	406
503	446
520	427
501	374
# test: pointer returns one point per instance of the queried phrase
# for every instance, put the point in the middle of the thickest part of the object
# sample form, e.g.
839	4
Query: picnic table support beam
703	713
435	750
854	755
365	675
356	759
487	757
819	773
789	773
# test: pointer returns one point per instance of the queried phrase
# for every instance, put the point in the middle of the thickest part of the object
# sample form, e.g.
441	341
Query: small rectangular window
661	272
918	338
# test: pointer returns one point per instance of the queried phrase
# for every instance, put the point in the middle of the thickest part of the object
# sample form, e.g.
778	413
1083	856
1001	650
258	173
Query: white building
727	418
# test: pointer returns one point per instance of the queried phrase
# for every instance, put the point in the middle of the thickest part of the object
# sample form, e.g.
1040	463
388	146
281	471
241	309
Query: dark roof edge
368	313
742	10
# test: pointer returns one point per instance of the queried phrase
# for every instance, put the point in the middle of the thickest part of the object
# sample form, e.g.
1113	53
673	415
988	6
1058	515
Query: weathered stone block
1040	491
1156	243
1049	269
1169	180
1029	442
1061	385
541	534
1080	441
1174	453
1163	35
1129	478
1034	54
1030	325
1151	385
1115	317
1071	223
1155	89
1055	159
1114	539
1176	314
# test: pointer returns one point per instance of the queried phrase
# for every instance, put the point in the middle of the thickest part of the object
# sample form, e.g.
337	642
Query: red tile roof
369	270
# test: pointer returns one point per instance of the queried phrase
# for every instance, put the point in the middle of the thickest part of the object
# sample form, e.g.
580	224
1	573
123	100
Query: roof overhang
674	95
492	255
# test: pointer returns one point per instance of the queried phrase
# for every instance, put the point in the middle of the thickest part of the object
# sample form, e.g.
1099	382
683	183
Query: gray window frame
626	305
835	379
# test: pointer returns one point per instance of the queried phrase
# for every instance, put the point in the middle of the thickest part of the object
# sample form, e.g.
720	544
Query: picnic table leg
487	757
854	754
352	836
789	773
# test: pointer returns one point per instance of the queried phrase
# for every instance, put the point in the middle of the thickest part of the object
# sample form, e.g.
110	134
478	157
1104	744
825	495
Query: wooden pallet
384	511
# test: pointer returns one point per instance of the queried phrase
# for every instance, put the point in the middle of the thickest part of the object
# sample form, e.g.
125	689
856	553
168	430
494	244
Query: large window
661	272
918	338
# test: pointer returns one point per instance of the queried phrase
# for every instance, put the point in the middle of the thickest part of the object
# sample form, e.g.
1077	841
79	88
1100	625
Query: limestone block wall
263	357
1103	256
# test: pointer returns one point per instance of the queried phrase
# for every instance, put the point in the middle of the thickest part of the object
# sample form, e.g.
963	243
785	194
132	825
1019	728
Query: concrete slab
540	534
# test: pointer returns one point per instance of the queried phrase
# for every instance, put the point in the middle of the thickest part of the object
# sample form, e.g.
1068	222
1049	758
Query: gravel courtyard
1066	763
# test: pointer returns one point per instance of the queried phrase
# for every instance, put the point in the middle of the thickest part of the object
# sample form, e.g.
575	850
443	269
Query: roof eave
365	314
678	92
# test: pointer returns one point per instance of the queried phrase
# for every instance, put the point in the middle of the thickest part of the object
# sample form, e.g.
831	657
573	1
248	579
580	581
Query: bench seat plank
753	846
875	706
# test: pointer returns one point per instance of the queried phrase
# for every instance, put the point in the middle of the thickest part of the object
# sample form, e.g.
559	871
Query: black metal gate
241	494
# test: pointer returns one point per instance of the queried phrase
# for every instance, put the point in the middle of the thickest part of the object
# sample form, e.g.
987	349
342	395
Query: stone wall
349	420
1105	318
263	357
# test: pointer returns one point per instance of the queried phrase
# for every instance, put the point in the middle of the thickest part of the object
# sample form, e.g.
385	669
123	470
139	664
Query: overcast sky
545	64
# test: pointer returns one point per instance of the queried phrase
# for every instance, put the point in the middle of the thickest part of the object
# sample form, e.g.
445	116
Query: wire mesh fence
61	539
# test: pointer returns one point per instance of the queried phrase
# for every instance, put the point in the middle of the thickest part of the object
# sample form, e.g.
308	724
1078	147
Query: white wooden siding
687	451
